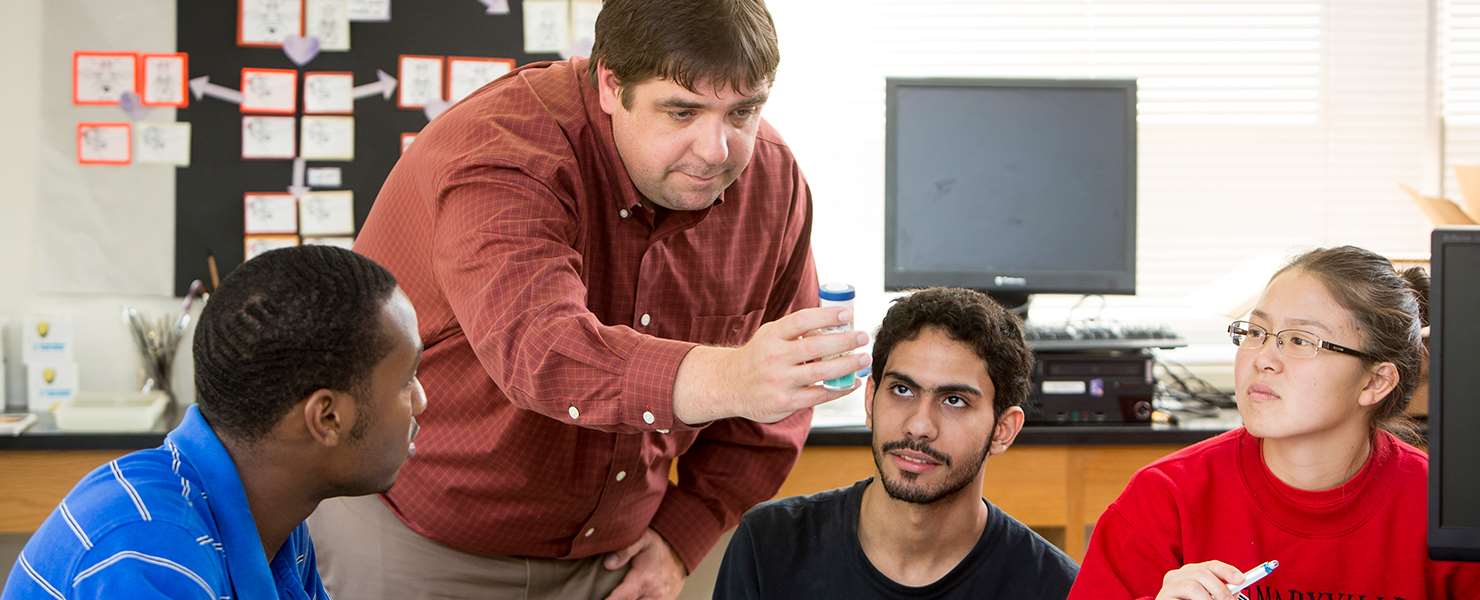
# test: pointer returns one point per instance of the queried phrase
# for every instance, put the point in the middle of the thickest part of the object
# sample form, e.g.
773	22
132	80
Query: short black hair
282	325
969	317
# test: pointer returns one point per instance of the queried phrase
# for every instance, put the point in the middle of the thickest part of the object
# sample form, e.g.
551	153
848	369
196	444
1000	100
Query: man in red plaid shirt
610	260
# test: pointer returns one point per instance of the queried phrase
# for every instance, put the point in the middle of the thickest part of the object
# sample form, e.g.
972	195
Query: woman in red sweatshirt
1326	364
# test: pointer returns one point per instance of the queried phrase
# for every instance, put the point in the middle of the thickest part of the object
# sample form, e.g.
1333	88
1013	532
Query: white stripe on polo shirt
36	577
150	559
132	493
75	526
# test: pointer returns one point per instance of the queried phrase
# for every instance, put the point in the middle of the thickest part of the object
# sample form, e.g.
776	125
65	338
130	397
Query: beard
906	487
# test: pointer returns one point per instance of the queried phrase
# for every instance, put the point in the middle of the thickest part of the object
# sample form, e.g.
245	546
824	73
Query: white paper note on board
162	143
269	212
327	138
328	20
327	214
268	137
546	26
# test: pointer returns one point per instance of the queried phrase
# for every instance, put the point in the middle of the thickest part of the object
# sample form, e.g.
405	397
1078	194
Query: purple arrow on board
300	49
579	47
129	102
435	108
496	7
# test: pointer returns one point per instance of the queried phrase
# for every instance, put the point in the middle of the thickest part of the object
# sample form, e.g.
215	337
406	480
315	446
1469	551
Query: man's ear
1007	428
328	416
608	89
868	402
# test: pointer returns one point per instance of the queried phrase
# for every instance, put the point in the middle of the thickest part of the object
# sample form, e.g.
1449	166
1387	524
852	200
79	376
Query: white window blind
1459	85
1225	62
1300	116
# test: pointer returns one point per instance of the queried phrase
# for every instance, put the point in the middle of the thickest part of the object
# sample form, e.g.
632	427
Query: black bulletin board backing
208	193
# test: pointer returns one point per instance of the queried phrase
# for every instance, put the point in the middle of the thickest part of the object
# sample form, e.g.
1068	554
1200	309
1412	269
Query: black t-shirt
807	547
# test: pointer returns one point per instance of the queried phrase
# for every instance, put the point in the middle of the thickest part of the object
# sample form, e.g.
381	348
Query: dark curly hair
283	325
969	317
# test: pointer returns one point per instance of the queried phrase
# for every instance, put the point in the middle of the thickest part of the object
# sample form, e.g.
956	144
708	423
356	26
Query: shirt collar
1325	513
227	501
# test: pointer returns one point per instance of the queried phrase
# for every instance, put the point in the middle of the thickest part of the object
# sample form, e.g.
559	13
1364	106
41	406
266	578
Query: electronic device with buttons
1094	335
1079	388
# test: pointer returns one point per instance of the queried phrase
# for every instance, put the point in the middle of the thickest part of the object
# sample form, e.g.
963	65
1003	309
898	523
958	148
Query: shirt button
624	213
646	319
647	417
575	413
590	531
621	475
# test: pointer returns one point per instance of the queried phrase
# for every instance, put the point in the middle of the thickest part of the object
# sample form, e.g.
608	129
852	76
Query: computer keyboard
1100	336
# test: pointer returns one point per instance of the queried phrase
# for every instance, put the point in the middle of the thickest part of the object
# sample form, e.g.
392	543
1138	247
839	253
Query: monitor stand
1016	303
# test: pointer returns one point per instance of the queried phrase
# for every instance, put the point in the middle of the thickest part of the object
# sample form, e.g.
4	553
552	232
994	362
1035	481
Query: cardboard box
1469	191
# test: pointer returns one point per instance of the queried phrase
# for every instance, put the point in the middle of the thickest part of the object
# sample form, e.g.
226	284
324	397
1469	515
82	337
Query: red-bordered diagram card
164	79
104	143
270	91
99	78
253	245
267	23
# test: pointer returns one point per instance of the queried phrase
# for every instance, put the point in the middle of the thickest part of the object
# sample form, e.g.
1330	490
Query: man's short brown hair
723	42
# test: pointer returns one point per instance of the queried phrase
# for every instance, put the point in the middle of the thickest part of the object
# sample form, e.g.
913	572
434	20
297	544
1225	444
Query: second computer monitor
1011	186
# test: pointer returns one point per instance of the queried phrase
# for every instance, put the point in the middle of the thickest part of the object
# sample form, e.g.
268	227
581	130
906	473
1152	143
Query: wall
1333	182
67	232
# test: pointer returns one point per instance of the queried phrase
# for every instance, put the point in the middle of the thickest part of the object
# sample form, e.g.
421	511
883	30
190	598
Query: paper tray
112	413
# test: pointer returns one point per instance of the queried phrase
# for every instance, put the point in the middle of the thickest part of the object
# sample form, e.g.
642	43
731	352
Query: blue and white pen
1251	576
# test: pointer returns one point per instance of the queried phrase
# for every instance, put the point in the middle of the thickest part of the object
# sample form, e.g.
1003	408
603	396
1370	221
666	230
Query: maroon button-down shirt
555	309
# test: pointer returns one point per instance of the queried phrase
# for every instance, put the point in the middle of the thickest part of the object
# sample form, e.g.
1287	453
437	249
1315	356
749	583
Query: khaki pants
366	553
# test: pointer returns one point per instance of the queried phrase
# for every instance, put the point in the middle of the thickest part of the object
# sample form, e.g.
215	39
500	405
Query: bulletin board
209	193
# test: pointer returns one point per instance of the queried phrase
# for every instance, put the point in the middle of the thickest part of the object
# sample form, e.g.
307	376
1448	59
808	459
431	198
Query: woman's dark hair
1390	308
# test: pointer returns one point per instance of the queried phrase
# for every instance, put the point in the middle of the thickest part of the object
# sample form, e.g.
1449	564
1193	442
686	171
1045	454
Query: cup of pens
157	339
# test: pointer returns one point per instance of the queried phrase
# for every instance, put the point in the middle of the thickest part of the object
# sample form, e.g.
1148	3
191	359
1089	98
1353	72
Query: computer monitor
1454	395
1011	186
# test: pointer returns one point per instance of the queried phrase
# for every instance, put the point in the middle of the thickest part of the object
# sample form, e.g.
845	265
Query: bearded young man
952	369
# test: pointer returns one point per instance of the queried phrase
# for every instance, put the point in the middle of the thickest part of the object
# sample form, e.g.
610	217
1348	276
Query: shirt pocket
724	330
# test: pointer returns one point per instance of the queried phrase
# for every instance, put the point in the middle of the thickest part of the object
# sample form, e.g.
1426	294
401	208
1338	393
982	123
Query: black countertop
45	436
1187	431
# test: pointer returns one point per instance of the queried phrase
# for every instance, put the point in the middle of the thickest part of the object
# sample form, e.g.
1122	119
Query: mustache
917	446
704	172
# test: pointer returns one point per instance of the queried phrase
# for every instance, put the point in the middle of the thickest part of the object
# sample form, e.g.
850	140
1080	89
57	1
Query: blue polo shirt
171	522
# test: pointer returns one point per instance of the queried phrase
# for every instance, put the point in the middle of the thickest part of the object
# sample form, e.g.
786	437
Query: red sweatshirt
1216	500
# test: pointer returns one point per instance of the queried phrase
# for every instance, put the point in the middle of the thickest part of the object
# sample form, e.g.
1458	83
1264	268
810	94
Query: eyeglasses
1293	343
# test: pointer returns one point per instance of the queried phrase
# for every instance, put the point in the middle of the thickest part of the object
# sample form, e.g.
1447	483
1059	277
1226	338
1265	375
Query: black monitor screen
1460	502
999	184
1454	395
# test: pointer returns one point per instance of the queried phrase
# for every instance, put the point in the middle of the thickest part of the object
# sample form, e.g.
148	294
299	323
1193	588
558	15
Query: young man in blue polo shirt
306	379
